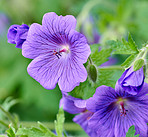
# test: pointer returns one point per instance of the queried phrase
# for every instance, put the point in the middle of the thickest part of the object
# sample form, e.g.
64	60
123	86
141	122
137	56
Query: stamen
121	103
122	109
57	54
65	49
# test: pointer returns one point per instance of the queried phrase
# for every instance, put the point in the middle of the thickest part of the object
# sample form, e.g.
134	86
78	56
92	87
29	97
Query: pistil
65	49
121	103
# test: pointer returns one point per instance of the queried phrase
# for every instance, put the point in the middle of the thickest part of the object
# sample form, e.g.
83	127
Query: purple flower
82	120
116	110
17	34
89	29
132	81
59	52
75	106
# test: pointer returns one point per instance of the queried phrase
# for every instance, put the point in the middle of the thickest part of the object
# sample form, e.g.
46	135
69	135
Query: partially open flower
17	34
132	81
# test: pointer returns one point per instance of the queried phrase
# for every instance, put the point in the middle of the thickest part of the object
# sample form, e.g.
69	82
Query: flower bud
92	72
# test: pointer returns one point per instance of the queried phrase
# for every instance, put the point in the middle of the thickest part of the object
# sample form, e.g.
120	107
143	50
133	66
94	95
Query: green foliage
84	91
11	132
100	57
138	64
131	132
127	63
41	130
92	72
30	132
108	76
123	47
59	122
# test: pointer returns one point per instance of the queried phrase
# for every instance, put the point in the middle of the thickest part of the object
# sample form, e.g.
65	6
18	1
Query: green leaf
123	46
100	57
11	132
92	72
127	63
131	43
59	122
131	132
36	132
138	64
46	130
108	76
30	132
84	91
94	47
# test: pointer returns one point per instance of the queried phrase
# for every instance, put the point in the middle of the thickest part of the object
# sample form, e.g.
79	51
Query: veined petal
37	43
73	73
58	24
46	70
79	47
82	120
68	103
135	78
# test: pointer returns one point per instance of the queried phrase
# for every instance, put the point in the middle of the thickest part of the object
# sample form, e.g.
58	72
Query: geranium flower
17	34
78	106
132	81
58	52
116	110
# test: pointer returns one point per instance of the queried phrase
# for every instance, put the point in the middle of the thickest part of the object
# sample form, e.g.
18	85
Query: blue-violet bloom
17	34
116	110
58	52
78	106
89	29
132	81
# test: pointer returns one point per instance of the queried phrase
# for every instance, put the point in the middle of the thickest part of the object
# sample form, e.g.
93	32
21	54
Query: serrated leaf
30	132
138	64
59	122
129	60
94	47
100	57
131	132
123	46
108	76
84	91
46	130
131	43
11	132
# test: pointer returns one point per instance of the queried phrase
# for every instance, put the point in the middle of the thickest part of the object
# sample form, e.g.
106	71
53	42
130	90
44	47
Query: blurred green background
112	18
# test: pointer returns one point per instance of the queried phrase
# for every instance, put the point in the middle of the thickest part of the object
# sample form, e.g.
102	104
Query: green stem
90	60
67	126
115	67
4	124
9	117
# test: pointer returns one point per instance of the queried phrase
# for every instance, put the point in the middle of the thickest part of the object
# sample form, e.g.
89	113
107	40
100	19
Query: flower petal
72	75
68	103
79	47
82	120
46	69
37	42
55	24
